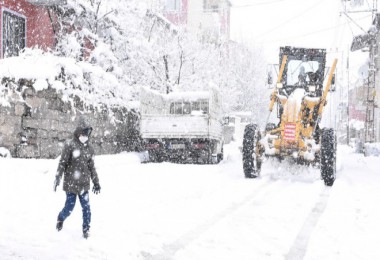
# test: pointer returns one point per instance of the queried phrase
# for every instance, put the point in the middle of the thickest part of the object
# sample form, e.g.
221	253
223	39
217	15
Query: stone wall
37	123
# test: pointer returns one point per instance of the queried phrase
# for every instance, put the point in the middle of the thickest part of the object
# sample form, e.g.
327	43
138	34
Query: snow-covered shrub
5	153
95	86
70	46
372	149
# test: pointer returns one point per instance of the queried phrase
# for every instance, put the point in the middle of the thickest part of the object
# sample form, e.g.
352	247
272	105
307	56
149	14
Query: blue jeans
69	206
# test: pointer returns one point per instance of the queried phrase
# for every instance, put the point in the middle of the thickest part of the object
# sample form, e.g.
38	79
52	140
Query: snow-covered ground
192	212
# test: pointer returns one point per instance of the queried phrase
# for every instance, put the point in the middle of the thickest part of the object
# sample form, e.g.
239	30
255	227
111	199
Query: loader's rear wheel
251	161
328	156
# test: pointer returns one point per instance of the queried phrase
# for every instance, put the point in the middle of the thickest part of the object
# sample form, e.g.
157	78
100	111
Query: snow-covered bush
95	86
372	149
5	153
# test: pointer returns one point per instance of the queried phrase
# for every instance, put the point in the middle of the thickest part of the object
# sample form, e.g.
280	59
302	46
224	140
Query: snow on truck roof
181	95
189	95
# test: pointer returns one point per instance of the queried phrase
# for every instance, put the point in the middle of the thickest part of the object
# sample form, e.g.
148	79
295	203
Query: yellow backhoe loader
300	97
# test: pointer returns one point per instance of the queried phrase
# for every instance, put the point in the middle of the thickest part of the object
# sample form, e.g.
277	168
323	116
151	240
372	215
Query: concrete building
209	20
357	103
370	42
176	11
26	23
376	91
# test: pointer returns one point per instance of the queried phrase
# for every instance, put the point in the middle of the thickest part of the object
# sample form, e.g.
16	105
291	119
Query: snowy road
194	212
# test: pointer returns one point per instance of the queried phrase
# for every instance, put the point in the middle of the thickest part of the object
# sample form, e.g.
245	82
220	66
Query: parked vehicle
182	126
235	124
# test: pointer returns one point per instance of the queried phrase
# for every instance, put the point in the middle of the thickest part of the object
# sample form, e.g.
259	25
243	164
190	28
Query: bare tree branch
151	29
165	57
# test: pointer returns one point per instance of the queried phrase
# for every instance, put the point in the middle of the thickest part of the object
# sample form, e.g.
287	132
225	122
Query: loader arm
279	78
327	88
310	118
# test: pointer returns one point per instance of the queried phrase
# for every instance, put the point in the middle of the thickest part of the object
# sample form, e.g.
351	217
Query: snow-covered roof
180	95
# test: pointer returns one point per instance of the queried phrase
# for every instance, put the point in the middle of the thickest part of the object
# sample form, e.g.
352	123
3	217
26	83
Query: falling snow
76	153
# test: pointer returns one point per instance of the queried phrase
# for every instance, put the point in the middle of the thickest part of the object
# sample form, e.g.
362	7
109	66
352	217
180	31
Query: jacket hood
82	125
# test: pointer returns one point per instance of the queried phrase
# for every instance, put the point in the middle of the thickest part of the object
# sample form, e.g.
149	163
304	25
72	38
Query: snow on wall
38	123
5	153
41	95
95	86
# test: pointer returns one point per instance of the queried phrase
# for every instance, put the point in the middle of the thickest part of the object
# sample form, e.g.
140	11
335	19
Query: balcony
46	2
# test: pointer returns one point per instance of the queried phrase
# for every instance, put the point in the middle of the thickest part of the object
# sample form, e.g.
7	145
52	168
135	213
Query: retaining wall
35	124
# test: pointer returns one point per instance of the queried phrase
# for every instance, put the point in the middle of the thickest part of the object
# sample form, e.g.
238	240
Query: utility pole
368	40
369	125
348	97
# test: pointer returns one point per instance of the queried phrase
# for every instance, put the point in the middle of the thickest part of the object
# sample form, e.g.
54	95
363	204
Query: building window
14	29
211	5
173	5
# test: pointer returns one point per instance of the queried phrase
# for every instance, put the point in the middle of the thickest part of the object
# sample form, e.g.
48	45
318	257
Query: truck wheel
160	157
251	161
156	156
221	155
152	156
328	156
207	159
211	159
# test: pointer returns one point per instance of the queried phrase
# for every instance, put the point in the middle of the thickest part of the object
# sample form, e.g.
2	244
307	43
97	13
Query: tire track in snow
299	247
171	249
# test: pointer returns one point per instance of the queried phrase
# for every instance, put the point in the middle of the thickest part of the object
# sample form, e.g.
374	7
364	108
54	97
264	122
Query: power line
318	31
291	19
217	9
259	3
352	20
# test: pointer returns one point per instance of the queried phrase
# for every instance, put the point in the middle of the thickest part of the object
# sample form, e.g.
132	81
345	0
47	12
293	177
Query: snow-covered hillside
195	212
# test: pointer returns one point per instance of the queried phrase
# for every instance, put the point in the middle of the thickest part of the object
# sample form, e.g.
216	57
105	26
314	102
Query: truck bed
174	126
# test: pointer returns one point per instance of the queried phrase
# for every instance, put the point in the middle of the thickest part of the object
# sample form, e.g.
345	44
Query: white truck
182	126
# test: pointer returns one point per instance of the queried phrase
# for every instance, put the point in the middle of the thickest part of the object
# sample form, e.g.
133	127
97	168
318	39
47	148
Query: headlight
312	88
279	85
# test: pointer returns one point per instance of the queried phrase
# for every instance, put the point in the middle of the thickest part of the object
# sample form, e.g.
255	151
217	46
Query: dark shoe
59	225
86	233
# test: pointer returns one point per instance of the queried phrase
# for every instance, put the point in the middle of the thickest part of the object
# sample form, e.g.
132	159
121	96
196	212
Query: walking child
78	168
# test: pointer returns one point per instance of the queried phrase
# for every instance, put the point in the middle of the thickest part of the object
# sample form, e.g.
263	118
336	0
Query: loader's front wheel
251	160
328	156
